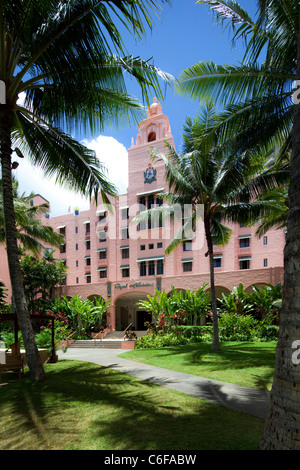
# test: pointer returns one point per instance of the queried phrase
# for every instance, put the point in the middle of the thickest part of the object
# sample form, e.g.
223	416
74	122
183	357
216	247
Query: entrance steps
97	343
112	341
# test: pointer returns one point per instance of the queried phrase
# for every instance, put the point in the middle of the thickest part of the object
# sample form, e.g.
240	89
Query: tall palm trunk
207	227
283	421
32	354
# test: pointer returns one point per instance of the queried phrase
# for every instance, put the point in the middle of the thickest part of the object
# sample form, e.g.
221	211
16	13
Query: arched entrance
219	291
127	311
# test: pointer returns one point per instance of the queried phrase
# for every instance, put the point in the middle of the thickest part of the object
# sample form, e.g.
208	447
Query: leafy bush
175	336
44	337
84	316
9	338
176	308
234	327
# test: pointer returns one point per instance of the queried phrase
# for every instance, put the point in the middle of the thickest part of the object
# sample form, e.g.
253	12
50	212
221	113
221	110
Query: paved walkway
248	400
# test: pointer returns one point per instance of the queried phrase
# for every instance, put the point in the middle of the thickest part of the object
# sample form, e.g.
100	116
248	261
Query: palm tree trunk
207	227
32	354
283	421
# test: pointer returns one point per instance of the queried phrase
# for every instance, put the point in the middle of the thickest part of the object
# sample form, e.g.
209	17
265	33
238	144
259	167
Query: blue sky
184	35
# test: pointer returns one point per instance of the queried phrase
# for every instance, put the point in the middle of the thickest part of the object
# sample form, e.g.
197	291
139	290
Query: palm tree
264	89
69	60
31	232
214	176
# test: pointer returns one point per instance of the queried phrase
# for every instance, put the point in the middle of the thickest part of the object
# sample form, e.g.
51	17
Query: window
87	228
47	251
102	216
150	202
62	230
125	272
125	233
151	246
88	261
244	242
102	254
160	266
101	235
188	266
143	268
88	244
142	203
141	226
88	278
159	245
76	229
77	280
142	247
187	246
77	263
125	213
217	262
103	273
151	268
265	262
125	253
265	240
63	248
151	136
244	263
76	246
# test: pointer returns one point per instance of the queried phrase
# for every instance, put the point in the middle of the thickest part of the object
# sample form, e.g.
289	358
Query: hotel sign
133	286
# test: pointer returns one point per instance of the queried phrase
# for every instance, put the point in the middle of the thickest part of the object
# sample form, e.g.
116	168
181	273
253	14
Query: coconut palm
256	94
68	60
215	180
32	234
263	88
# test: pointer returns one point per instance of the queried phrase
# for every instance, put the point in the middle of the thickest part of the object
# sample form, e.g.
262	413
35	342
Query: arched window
151	136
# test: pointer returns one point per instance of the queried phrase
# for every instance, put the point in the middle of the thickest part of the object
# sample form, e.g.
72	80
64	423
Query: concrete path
247	400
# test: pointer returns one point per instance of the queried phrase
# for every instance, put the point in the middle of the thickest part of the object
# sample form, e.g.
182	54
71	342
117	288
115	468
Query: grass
82	406
248	364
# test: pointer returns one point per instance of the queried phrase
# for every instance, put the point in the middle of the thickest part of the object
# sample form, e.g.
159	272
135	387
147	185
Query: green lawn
82	406
248	364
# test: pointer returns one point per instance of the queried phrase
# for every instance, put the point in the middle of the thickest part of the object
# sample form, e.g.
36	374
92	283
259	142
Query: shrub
234	327
44	337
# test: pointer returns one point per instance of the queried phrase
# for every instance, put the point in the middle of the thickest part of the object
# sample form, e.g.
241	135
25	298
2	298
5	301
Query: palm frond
74	165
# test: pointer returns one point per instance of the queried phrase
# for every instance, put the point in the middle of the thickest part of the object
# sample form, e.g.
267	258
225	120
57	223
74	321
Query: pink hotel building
108	255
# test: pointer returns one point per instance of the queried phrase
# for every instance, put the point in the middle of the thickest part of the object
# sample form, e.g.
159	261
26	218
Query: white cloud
114	156
109	151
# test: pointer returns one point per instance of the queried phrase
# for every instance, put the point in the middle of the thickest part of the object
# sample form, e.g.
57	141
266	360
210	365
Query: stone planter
128	344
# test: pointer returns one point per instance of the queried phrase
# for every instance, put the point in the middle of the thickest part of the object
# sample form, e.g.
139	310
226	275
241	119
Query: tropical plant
238	301
257	94
68	60
32	234
176	308
214	177
266	299
40	276
84	315
237	327
263	87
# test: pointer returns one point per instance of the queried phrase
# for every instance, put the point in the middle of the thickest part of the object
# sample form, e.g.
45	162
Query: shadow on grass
84	406
232	356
